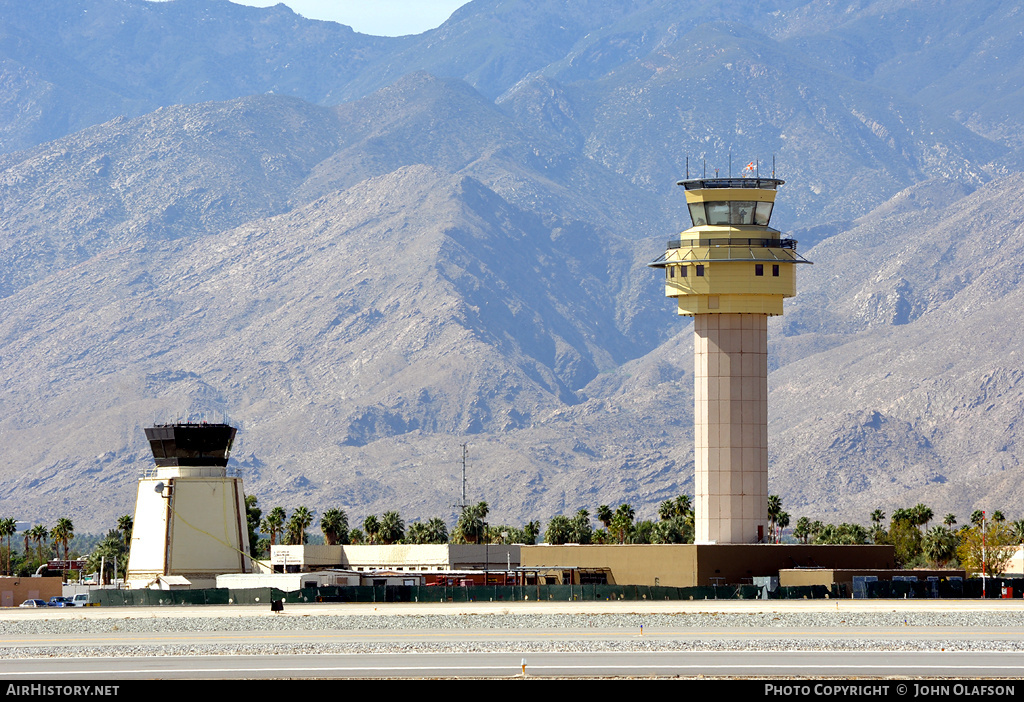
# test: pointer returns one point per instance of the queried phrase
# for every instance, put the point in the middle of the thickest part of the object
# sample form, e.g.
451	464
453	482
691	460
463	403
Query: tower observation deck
730	271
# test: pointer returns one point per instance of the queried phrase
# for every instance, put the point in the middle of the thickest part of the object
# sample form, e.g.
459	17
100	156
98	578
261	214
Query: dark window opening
775	270
682	271
758	269
700	270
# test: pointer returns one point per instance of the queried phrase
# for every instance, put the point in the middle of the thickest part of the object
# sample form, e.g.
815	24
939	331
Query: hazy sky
380	17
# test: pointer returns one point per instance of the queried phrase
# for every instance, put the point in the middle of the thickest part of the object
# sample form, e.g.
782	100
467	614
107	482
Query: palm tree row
619	526
917	544
38	536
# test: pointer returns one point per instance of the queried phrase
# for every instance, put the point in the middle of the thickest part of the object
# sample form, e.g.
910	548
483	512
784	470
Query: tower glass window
741	212
763	214
718	212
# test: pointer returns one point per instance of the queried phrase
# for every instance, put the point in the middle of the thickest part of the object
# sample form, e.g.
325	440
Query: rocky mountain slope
369	251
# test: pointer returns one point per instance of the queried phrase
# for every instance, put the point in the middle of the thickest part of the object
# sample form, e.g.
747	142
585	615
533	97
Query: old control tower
190	517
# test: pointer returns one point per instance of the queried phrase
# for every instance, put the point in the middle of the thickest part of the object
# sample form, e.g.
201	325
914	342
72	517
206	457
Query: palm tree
273	524
998	517
605	515
877	517
436	531
371	525
580	530
63	532
334	525
39	534
782	521
774	508
949	520
416	533
622	521
643	532
125	524
803	529
684	505
1017	529
8	528
530	532
111	552
300	520
470	527
921	514
977	517
392	528
558	530
940	545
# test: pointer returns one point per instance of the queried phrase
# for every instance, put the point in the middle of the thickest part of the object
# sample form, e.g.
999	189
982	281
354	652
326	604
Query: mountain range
369	251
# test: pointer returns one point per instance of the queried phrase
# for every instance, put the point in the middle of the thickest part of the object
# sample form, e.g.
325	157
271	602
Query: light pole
984	557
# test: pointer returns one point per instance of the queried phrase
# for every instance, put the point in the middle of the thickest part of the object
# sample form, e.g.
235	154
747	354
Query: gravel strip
1011	622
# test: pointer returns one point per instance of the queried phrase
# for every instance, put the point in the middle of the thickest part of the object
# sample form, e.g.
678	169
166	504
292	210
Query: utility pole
465	456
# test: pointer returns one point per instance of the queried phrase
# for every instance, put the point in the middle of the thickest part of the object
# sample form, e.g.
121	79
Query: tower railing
733	241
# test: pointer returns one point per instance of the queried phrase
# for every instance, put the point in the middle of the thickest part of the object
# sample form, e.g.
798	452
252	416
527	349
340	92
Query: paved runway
746	664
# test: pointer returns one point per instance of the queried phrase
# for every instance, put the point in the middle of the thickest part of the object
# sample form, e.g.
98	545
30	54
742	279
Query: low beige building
288	582
827	576
397	557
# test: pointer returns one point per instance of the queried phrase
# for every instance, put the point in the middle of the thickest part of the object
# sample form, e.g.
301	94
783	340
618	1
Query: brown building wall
688	565
737	563
14	591
630	564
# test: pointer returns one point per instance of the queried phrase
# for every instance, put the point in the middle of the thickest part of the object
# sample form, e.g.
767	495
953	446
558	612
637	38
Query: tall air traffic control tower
730	271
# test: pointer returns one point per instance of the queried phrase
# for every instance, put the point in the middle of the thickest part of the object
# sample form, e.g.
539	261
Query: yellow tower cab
730	271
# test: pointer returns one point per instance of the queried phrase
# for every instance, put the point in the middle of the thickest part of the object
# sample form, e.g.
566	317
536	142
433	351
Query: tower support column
730	423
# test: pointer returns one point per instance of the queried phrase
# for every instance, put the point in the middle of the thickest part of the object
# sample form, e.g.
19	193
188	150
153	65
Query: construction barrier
489	593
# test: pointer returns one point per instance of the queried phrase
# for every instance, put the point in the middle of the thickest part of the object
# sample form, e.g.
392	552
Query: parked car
81	599
33	603
60	602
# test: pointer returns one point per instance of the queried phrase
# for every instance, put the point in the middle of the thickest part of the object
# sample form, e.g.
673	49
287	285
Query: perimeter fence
437	593
934	589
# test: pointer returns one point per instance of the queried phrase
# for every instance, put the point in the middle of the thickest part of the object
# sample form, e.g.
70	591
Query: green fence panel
805	592
259	595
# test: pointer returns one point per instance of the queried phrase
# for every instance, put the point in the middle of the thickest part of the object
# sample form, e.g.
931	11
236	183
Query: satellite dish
159	488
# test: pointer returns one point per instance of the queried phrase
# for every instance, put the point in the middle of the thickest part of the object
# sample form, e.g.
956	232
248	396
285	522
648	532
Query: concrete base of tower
730	428
194	527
